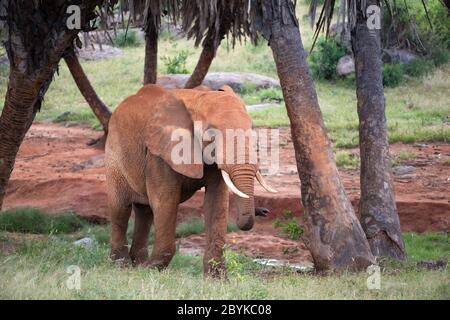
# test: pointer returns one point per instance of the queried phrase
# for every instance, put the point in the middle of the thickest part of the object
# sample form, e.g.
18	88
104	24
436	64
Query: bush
271	95
324	61
392	75
177	64
29	220
289	226
128	39
439	56
418	68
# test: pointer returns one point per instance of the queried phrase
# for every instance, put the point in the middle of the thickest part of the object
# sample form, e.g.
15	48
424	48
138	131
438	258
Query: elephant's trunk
243	178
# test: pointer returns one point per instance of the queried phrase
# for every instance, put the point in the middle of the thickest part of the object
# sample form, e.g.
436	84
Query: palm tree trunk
17	116
100	110
334	234
379	217
203	65
151	54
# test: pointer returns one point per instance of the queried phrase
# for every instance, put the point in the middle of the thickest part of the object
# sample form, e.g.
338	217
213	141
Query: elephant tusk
264	184
230	184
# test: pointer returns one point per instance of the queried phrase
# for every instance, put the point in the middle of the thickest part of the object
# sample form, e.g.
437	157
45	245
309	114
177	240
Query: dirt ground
57	171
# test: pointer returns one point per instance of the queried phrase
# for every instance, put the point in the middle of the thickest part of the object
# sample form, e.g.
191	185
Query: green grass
37	270
29	220
346	160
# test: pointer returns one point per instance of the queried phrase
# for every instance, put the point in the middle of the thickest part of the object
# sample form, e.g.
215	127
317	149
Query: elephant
142	175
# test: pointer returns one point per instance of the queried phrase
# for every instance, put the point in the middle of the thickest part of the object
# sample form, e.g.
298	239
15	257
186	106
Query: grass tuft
29	220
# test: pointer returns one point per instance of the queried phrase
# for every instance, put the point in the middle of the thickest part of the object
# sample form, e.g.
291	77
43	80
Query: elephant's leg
164	194
120	214
165	219
120	209
216	215
143	218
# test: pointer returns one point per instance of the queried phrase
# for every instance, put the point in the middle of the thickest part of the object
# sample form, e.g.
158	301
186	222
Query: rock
259	106
88	242
433	265
345	66
235	80
274	263
403	170
63	117
398	56
107	52
94	162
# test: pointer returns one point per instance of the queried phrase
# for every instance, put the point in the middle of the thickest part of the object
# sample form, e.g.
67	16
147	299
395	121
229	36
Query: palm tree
99	108
379	216
335	237
36	38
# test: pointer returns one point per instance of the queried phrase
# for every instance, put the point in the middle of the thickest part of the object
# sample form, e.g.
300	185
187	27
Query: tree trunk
334	234
151	54
379	217
17	117
37	39
100	110
203	64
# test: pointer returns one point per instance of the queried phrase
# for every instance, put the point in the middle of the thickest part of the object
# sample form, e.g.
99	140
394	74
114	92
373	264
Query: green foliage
271	95
324	60
440	34
29	220
176	64
128	39
346	160
192	226
418	68
439	56
392	75
289	225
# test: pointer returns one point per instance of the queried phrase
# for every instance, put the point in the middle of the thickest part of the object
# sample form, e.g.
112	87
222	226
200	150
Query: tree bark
151	54
379	217
203	65
334	234
100	110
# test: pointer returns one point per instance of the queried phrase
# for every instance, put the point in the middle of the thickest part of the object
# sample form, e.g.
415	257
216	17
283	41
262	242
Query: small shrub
439	56
271	95
176	64
29	220
324	61
289	225
406	156
418	68
392	75
127	39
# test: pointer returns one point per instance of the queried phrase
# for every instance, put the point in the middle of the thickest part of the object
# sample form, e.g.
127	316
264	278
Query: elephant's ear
169	135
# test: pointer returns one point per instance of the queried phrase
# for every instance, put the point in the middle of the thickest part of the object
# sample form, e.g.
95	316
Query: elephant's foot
138	256
160	262
215	269
120	256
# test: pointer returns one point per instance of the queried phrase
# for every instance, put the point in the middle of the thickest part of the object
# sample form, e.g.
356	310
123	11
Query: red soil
57	171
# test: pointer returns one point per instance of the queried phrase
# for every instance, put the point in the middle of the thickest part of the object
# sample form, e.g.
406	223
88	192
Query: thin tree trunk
151	54
379	217
100	110
203	64
334	234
